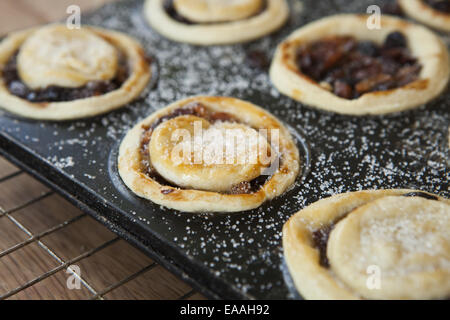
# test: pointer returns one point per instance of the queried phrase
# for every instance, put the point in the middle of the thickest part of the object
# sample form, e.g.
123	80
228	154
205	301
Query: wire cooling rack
61	263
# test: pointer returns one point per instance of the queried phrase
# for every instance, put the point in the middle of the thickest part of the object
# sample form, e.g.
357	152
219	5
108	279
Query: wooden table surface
41	234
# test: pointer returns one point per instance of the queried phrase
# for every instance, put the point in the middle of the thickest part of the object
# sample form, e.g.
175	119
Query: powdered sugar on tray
62	163
243	250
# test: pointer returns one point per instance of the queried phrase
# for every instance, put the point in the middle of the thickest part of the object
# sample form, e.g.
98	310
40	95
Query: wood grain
112	265
14	17
23	265
20	14
196	296
119	270
6	168
18	191
10	234
158	283
101	272
46	214
53	288
78	238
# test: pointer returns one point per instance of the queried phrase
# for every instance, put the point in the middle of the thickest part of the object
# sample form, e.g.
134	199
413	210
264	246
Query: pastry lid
237	255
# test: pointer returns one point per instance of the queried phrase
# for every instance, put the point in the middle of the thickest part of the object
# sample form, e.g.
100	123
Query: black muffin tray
235	255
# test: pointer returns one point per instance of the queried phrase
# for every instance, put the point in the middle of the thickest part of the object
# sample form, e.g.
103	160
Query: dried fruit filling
199	110
350	68
321	236
170	9
18	88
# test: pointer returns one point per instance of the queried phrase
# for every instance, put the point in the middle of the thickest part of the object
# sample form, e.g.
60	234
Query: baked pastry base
272	18
311	278
189	200
206	11
139	76
430	51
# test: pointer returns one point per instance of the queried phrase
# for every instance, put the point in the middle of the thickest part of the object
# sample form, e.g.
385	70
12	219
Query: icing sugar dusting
243	250
415	239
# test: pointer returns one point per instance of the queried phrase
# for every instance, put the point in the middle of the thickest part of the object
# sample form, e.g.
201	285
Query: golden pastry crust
56	55
191	200
139	76
209	174
253	27
425	14
217	10
380	228
424	45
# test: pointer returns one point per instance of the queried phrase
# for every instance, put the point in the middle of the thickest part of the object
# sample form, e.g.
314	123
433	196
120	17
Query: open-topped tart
386	244
208	22
209	154
58	73
434	13
340	65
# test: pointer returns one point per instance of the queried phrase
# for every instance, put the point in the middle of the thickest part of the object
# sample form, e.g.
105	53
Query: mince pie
434	13
385	244
209	154
340	65
209	22
58	73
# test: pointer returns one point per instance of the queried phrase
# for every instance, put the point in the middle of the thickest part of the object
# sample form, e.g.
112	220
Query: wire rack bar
58	268
26	204
123	281
38	236
187	295
10	176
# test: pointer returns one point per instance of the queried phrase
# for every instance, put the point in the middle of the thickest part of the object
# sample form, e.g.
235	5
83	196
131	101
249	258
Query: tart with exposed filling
57	73
433	13
209	154
385	244
210	22
338	64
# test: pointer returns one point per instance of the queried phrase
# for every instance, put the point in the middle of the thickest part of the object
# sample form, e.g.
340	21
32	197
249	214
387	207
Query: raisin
389	66
18	88
443	6
367	72
220	116
55	93
305	61
32	96
171	11
121	75
398	55
395	40
407	74
422	195
368	48
331	58
373	83
353	68
320	239
440	5
343	89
